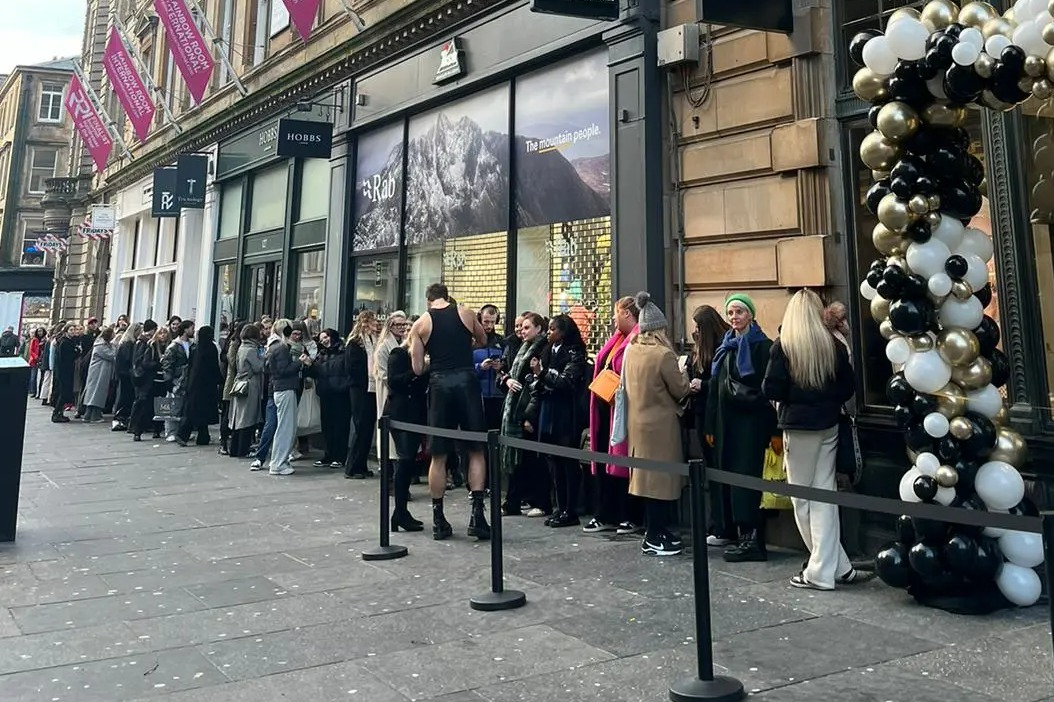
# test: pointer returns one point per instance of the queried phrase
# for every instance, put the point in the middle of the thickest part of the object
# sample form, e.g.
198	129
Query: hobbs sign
302	139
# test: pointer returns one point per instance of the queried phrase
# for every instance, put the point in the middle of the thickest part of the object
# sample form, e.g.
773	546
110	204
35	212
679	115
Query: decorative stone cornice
402	30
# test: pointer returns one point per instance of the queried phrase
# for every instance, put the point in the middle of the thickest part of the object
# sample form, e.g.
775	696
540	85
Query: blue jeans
267	435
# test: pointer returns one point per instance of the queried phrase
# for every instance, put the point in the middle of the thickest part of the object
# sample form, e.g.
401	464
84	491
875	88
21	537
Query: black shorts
455	401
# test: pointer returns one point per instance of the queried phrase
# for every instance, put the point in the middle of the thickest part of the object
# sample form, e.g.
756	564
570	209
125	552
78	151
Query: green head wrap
743	299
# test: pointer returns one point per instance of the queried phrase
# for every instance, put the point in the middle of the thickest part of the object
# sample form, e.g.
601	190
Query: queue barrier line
704	685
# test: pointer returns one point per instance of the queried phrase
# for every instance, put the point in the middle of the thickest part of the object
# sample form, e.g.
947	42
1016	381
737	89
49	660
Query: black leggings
567	479
336	423
363	424
142	419
241	442
406	447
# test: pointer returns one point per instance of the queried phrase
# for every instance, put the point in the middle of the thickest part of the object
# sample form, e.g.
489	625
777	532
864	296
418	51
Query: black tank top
449	346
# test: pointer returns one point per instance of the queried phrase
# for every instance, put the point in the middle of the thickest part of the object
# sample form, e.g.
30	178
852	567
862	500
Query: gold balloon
1010	447
997	26
1050	7
869	87
919	204
878	152
989	100
886	330
961	428
1050	63
1002	417
951	401
897	121
933	219
961	290
880	309
984	65
1035	66
879	175
1042	89
887	241
894	213
983	187
1010	16
934	201
973	376
947	476
944	116
959	347
977	14
921	343
938	14
1025	84
1048	33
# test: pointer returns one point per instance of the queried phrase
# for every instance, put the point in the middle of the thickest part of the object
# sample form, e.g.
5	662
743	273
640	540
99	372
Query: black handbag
742	395
849	460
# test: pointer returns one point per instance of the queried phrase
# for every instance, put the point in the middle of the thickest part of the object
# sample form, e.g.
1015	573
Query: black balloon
988	334
856	45
929	530
967	470
899	390
920	231
875	194
874	277
893	567
973	169
988	561
910	88
984	295
925	488
905	530
1013	57
925	560
961	83
960	200
903	416
917	439
1000	368
946	160
893	280
1025	508
923	404
909	168
914	287
954	29
961	554
948	450
911	317
872	116
956	267
924	185
901	187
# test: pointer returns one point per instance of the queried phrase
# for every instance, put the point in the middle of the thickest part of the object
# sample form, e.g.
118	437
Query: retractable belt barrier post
385	551
705	685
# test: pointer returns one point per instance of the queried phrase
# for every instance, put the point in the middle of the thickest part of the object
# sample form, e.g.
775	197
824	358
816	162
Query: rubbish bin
14	384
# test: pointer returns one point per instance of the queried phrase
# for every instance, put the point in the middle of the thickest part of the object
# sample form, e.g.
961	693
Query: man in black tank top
447	334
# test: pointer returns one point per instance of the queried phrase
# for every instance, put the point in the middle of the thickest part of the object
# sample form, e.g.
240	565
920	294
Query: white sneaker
627	528
171	439
718	541
288	470
256	465
295	456
535	512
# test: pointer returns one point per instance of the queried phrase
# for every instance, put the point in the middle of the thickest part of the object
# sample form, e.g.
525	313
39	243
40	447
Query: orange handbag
606	382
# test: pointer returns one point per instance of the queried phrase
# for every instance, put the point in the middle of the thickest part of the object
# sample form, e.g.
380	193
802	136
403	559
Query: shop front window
314	189
224	305
230	210
873	364
376	285
310	270
267	210
1039	164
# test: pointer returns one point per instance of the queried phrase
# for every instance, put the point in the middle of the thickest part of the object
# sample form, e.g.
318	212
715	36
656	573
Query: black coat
329	371
64	373
125	356
556	408
407	401
356	365
147	373
804	409
204	385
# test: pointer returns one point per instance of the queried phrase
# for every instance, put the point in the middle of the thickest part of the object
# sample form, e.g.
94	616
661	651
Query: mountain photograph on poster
378	197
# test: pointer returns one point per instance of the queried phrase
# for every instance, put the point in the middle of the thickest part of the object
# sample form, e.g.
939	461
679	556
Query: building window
226	35
279	19
268	199
376	285
32	230
225	275
314	189
50	102
1038	143
231	210
310	271
42	164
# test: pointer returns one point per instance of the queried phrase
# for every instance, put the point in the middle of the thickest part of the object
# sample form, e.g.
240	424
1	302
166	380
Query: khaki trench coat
655	386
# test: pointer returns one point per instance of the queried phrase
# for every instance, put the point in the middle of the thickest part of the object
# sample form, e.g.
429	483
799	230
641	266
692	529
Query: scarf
513	408
740	345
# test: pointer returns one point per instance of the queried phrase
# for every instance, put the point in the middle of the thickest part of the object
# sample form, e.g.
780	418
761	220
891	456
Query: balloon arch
930	288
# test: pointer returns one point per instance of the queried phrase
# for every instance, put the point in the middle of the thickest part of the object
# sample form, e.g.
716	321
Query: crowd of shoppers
277	386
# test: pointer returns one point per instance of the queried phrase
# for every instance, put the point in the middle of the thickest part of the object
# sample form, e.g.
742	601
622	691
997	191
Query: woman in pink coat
616	509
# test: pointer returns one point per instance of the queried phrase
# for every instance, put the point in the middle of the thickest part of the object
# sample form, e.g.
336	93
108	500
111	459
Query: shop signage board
766	15
191	172
103	217
165	202
588	9
451	62
304	139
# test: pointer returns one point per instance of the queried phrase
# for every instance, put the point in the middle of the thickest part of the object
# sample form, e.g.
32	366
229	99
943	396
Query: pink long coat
616	345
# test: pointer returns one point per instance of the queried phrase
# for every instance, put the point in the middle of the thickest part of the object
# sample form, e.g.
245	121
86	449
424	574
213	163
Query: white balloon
951	231
986	401
1022	548
927	463
1029	36
936	425
994	46
965	53
907	39
963	314
907	485
1019	585
995	532
972	35
898	350
976	273
928	259
867	292
939	284
977	242
879	57
927	372
999	485
945	496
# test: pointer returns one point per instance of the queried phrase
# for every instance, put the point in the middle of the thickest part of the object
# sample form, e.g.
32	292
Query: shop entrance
263	290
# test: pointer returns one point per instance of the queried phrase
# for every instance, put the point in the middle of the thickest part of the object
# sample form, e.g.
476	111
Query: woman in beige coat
655	387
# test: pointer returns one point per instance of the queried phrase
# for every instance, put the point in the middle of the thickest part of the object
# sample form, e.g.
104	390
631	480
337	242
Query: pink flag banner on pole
128	85
189	49
303	14
89	124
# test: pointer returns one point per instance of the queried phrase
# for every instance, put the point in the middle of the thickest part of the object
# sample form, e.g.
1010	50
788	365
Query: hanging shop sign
165	202
588	9
303	139
766	15
103	217
451	62
89	124
189	50
191	172
128	85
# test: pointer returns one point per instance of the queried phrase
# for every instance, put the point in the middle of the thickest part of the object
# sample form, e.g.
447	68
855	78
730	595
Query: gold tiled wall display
475	269
580	276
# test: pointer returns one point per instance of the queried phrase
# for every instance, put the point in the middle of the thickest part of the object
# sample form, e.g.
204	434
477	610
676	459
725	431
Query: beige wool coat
655	387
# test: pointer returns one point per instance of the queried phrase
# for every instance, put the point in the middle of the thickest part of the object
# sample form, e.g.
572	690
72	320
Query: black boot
751	548
441	528
401	517
477	524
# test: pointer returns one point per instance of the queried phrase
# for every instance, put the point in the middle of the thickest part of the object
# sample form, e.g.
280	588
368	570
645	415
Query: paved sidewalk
146	571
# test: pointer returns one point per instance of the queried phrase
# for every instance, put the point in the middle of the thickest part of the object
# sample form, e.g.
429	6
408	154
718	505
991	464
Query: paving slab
126	607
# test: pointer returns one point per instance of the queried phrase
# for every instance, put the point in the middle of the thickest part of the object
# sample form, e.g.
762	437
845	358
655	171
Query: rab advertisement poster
378	198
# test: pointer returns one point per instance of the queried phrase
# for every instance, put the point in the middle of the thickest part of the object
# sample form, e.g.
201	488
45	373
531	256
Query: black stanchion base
721	689
384	553
498	601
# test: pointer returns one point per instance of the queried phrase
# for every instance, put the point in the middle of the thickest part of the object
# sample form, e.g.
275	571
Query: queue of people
272	385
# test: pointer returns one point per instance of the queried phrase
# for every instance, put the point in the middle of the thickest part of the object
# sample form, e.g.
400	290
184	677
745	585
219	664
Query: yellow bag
774	470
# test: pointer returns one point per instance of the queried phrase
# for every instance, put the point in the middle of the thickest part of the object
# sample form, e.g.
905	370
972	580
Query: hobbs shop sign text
303	139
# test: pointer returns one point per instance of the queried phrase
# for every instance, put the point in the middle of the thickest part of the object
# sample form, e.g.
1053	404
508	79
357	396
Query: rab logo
451	63
168	200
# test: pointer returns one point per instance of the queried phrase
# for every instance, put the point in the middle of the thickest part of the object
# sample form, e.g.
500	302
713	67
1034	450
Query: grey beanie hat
651	317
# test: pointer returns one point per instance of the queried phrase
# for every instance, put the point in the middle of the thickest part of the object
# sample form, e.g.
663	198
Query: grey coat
245	410
100	374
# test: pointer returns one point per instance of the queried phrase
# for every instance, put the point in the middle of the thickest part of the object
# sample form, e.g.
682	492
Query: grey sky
40	30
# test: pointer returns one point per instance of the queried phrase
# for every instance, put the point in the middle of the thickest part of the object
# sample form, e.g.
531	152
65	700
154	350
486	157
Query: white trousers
285	433
810	461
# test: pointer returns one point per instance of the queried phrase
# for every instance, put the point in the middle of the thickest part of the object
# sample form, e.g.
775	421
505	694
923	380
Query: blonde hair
630	304
656	337
397	316
361	330
812	358
279	327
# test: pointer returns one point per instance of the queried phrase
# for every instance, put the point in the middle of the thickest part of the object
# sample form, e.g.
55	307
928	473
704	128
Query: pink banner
303	14
130	89
89	124
189	49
